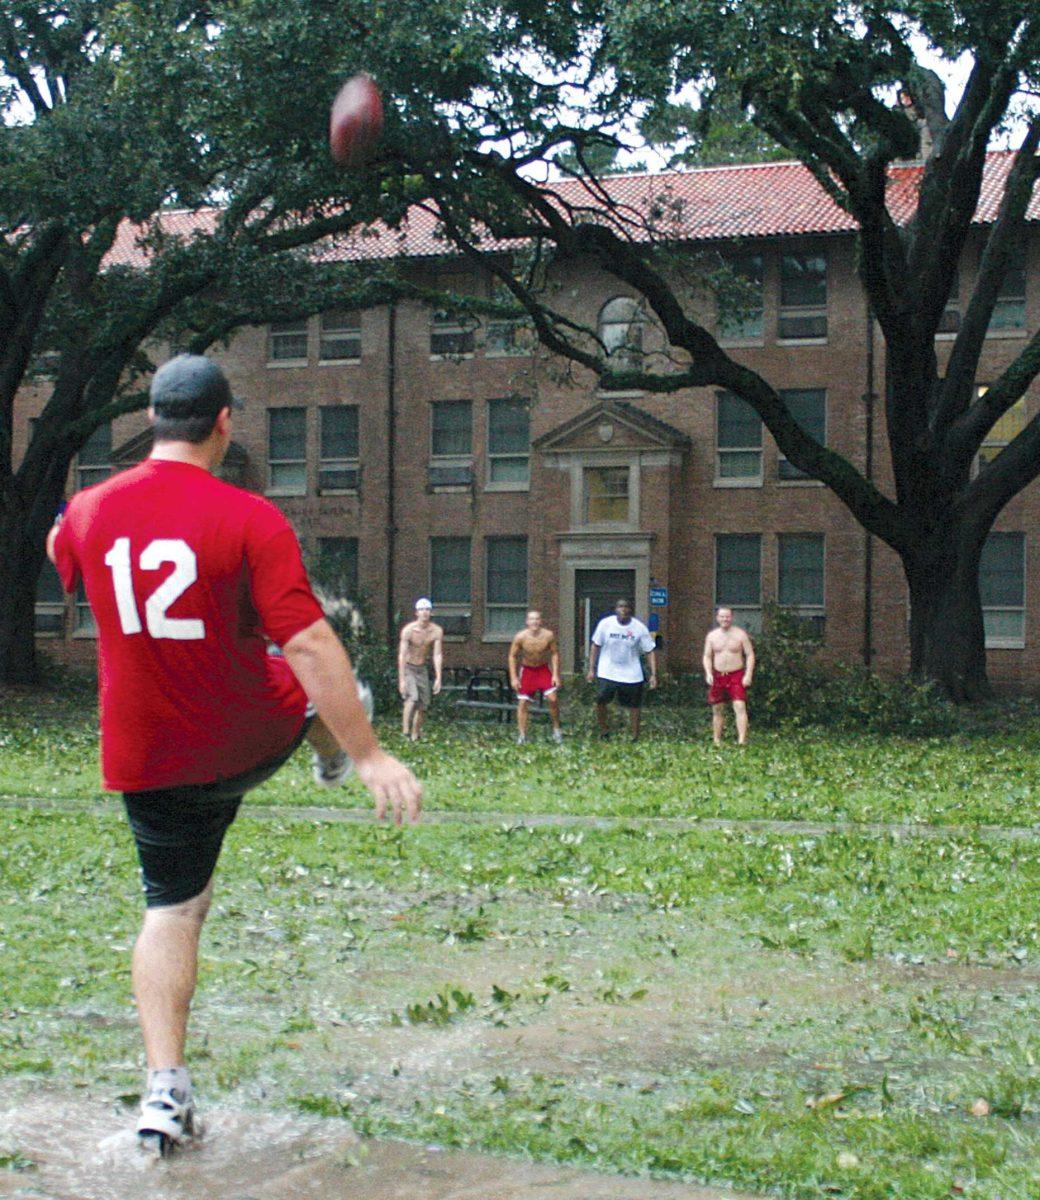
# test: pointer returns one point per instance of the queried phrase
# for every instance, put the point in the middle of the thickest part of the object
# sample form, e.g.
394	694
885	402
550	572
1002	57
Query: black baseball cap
190	385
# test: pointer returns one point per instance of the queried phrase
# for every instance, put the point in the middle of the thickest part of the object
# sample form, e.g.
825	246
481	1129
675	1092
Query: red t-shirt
185	575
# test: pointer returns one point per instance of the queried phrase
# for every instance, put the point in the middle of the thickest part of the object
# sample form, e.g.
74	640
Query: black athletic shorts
179	830
628	695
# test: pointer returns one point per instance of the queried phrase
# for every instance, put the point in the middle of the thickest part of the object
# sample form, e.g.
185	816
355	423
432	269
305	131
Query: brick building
424	455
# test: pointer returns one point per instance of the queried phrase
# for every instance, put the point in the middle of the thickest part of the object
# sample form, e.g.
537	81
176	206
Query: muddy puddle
82	1149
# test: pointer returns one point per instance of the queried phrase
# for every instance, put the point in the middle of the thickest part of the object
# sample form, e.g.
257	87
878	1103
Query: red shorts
728	686
535	679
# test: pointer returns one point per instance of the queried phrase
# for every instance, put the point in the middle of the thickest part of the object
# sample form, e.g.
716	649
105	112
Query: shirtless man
534	666
729	664
418	638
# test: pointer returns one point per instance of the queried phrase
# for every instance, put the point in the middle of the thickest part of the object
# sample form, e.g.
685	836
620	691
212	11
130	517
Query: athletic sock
171	1079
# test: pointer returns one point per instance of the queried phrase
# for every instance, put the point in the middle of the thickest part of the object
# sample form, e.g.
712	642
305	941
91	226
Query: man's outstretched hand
393	786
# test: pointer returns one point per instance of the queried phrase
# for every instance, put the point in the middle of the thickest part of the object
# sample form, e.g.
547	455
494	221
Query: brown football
356	121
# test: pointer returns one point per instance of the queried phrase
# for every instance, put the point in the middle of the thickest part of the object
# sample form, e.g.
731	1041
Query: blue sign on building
658	597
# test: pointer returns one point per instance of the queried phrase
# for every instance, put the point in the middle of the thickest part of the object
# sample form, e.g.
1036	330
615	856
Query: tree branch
1004	238
1000	480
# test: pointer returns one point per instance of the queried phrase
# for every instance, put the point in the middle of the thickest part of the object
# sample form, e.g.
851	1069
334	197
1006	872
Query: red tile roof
774	199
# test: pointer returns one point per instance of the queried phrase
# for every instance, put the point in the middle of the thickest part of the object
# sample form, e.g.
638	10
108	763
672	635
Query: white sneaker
167	1113
521	740
557	736
330	772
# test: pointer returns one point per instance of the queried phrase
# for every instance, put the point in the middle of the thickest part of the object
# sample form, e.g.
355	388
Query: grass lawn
801	1015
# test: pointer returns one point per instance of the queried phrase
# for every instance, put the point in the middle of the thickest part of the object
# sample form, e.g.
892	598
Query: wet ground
80	1149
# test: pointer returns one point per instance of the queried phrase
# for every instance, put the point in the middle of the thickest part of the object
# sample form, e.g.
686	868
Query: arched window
621	324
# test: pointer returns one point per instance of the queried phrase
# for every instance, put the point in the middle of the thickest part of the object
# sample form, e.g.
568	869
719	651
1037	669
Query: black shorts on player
179	830
628	695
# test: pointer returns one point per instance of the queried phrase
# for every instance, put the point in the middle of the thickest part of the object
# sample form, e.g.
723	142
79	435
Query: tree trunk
947	639
23	538
18	578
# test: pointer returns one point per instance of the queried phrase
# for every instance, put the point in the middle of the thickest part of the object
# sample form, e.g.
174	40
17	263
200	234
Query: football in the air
356	121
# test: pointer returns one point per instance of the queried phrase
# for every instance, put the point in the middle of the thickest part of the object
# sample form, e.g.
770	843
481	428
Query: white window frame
747	615
336	464
88	474
519	609
83	624
587	471
803	310
807	611
347	334
451	460
504	485
1018	642
51	608
801	480
272	488
1005	300
756	338
274	333
451	608
449	324
736	481
510	327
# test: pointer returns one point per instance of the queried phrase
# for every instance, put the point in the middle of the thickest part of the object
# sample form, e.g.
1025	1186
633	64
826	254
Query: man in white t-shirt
618	646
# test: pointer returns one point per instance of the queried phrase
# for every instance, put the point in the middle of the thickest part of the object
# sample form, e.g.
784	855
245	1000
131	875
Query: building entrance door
595	594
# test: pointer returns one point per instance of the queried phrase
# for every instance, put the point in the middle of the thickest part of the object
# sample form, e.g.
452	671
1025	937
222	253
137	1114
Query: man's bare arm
593	661
322	666
438	660
749	660
554	661
652	659
50	541
402	651
708	661
514	663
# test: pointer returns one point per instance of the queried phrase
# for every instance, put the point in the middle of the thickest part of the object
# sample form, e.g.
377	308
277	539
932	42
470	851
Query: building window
621	323
1002	587
606	495
950	321
451	429
337	567
1009	312
741	308
451	445
94	461
85	623
452	335
800	577
287	341
506	336
450	584
1004	430
506	604
339	336
338	469
808	406
509	442
738	442
803	297
738	577
50	601
287	451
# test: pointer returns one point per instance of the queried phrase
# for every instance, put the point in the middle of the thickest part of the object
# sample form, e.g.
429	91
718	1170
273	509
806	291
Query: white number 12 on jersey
185	573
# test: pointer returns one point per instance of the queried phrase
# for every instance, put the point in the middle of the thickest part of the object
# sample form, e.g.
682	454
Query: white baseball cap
423	602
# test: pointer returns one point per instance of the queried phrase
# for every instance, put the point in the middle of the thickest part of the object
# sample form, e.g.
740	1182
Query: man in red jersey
188	578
